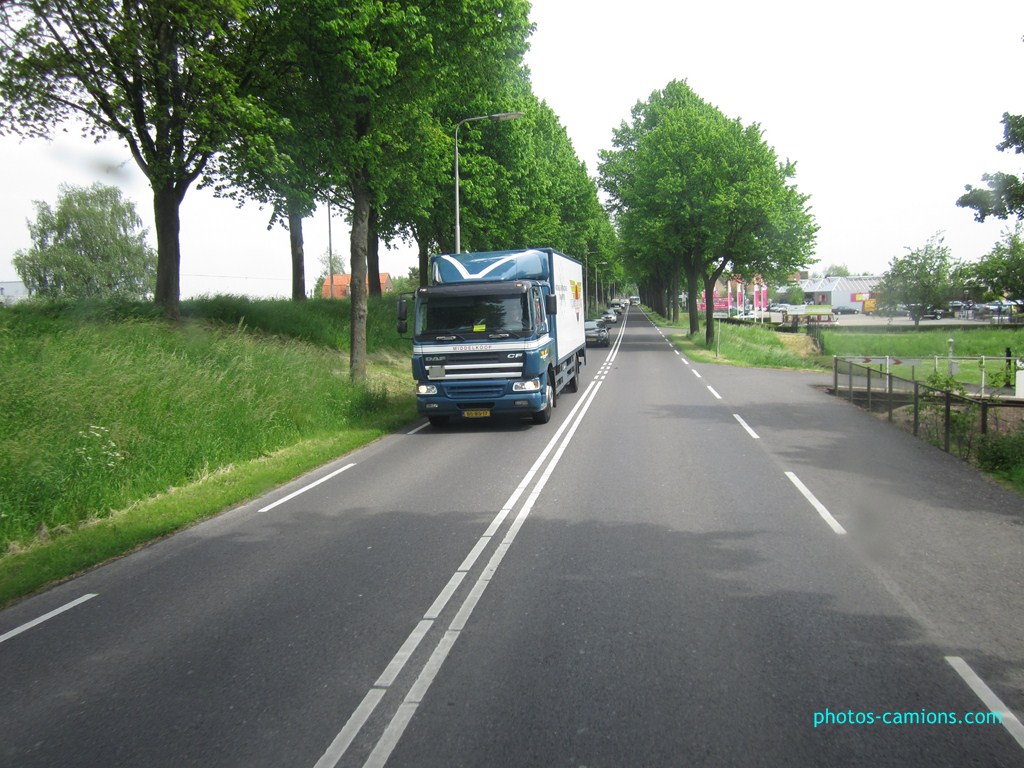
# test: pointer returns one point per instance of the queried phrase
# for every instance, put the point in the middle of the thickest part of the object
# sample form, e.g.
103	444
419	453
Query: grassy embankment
121	427
748	345
1001	455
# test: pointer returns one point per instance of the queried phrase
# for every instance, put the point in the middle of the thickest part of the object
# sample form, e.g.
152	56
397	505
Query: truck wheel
543	417
573	384
439	421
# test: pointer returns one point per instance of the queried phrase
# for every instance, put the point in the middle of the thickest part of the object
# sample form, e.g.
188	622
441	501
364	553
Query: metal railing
950	419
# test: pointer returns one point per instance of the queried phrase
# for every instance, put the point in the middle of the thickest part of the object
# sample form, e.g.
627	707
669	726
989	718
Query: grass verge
121	427
750	346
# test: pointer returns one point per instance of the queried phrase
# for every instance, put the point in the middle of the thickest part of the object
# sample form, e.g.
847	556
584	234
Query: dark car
596	333
845	311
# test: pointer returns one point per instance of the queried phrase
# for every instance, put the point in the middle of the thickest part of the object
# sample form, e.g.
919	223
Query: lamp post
496	118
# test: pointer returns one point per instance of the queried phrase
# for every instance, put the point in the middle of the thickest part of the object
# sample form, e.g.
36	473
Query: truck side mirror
551	304
403	316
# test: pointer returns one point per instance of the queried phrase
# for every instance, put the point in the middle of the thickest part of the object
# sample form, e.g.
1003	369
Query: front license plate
476	414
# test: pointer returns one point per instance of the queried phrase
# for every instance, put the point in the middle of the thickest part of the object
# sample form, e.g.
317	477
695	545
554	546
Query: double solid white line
392	733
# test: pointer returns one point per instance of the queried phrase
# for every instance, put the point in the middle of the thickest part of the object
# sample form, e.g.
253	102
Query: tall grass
967	342
754	346
106	404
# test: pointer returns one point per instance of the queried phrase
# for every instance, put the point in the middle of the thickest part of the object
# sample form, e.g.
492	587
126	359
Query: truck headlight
530	385
426	389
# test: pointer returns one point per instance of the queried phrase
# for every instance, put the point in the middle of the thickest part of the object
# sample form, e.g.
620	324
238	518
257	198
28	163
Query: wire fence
948	417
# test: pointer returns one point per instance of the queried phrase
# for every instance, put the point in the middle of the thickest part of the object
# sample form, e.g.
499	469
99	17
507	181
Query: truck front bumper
477	398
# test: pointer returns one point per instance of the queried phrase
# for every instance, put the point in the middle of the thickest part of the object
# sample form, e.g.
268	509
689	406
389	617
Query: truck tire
543	417
573	385
439	421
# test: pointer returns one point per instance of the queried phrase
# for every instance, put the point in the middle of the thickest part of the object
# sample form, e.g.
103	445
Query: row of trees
698	195
930	277
302	102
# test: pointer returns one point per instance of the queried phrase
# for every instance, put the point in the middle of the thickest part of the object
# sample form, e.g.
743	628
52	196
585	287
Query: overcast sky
888	109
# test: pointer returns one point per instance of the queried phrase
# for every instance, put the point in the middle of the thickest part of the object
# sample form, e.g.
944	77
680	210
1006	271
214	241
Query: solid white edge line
825	514
421	426
46	616
989	698
746	426
302	490
355	723
712	391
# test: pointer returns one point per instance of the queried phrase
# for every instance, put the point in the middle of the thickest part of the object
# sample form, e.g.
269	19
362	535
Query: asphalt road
685	567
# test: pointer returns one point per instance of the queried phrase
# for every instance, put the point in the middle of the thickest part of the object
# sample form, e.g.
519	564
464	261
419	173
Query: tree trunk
166	203
298	255
373	252
424	261
360	231
693	299
709	290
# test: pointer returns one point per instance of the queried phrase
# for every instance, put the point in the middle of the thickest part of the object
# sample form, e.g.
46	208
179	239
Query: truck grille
476	365
474	391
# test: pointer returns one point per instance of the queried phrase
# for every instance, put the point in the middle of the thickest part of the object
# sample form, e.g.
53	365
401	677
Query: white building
848	292
12	291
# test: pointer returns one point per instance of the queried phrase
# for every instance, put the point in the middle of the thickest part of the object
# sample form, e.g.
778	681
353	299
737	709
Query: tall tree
90	245
696	193
1001	270
1004	195
920	279
167	78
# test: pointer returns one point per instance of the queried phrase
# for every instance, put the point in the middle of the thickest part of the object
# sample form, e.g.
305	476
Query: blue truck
498	332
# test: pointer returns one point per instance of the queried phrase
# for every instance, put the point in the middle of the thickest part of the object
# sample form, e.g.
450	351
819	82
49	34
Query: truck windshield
483	316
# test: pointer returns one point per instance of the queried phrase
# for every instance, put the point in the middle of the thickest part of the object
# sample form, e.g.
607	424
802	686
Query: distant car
609	316
845	311
932	313
778	307
597	333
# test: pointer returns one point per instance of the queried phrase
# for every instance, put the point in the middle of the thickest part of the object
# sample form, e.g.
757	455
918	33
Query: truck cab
496	333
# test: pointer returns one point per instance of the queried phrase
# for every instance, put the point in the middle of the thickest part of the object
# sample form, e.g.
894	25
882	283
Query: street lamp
496	118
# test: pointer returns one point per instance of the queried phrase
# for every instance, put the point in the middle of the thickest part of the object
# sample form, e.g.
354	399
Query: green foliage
1004	195
795	295
1002	452
697	193
1001	271
920	280
166	78
91	245
100	414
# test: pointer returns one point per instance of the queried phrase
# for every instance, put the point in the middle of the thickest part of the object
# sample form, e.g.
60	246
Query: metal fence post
835	375
984	417
869	388
948	407
849	367
888	388
917	417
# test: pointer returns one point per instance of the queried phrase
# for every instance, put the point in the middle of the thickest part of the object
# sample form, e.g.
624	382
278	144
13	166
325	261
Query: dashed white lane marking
302	490
45	617
696	372
712	391
988	697
825	514
746	426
